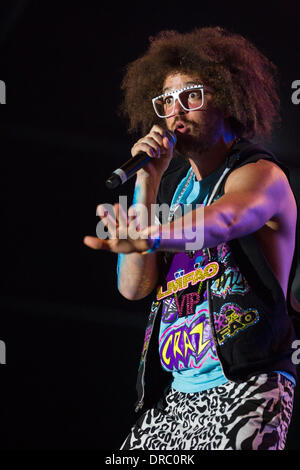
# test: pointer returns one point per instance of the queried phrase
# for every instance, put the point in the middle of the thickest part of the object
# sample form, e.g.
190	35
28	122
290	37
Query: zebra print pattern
253	415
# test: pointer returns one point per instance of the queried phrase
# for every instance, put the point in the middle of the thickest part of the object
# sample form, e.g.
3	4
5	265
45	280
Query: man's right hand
159	147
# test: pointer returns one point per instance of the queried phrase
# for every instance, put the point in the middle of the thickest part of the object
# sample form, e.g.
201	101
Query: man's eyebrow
194	82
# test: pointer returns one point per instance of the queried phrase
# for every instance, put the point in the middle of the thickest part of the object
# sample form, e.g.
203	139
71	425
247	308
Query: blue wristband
154	247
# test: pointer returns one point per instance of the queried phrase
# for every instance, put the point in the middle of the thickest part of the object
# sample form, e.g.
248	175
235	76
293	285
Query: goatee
189	144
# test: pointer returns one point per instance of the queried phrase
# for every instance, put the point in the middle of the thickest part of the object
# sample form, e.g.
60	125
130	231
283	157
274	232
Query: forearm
137	273
206	227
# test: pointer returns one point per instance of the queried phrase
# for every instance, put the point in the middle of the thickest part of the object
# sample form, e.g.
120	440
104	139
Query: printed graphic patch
188	343
230	282
232	320
190	279
223	252
181	306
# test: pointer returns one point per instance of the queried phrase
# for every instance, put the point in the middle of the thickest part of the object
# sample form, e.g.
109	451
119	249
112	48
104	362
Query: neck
207	162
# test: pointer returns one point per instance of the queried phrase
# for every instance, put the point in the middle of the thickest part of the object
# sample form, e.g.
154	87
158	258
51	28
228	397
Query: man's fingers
121	215
108	218
144	147
167	143
114	246
133	219
95	243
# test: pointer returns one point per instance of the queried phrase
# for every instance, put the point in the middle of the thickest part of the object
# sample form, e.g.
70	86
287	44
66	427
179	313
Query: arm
255	194
138	274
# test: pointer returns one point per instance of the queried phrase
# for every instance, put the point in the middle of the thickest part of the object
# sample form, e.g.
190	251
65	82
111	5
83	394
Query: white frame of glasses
175	95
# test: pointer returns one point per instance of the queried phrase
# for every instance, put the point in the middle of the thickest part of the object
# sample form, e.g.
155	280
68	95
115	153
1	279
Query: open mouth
182	128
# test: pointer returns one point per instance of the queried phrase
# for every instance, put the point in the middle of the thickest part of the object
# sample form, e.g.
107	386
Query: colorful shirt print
186	346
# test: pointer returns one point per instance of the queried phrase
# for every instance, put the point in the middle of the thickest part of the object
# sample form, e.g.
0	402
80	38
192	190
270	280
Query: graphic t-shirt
186	345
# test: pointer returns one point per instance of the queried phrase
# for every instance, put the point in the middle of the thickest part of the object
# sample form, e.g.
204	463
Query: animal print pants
254	415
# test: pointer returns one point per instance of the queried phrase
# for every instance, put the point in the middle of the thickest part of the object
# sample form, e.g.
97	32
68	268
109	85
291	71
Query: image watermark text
140	222
2	352
2	92
296	354
296	94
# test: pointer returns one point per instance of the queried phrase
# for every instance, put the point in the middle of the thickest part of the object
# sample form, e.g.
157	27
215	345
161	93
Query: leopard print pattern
253	415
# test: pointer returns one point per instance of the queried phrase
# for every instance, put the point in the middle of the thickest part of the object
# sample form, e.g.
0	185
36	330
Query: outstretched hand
124	232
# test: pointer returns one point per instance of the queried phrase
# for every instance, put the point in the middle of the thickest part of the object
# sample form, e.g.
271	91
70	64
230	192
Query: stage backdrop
70	343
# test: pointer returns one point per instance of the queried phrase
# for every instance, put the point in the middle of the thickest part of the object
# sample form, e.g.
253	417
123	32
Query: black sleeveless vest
258	334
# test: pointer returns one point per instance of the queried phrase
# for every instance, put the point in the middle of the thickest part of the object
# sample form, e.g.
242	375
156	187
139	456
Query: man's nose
178	109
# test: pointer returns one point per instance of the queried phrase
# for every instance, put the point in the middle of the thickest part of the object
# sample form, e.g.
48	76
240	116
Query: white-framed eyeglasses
190	98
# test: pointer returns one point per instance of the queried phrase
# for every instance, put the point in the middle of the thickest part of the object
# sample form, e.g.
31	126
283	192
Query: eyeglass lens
189	99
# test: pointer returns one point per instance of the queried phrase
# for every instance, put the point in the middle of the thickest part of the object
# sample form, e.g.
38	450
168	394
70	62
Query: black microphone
130	168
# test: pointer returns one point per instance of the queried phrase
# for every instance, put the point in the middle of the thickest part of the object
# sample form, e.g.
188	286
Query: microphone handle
127	170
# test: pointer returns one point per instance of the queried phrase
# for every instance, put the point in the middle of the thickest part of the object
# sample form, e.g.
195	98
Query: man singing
216	370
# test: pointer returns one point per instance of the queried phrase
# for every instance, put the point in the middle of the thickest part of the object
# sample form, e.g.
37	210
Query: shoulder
263	173
264	183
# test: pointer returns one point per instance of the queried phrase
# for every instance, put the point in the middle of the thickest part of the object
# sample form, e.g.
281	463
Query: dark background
72	341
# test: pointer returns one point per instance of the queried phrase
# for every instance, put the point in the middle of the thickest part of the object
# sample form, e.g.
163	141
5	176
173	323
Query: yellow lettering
222	334
211	270
187	343
188	278
176	347
182	282
199	276
173	286
199	329
161	294
164	351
